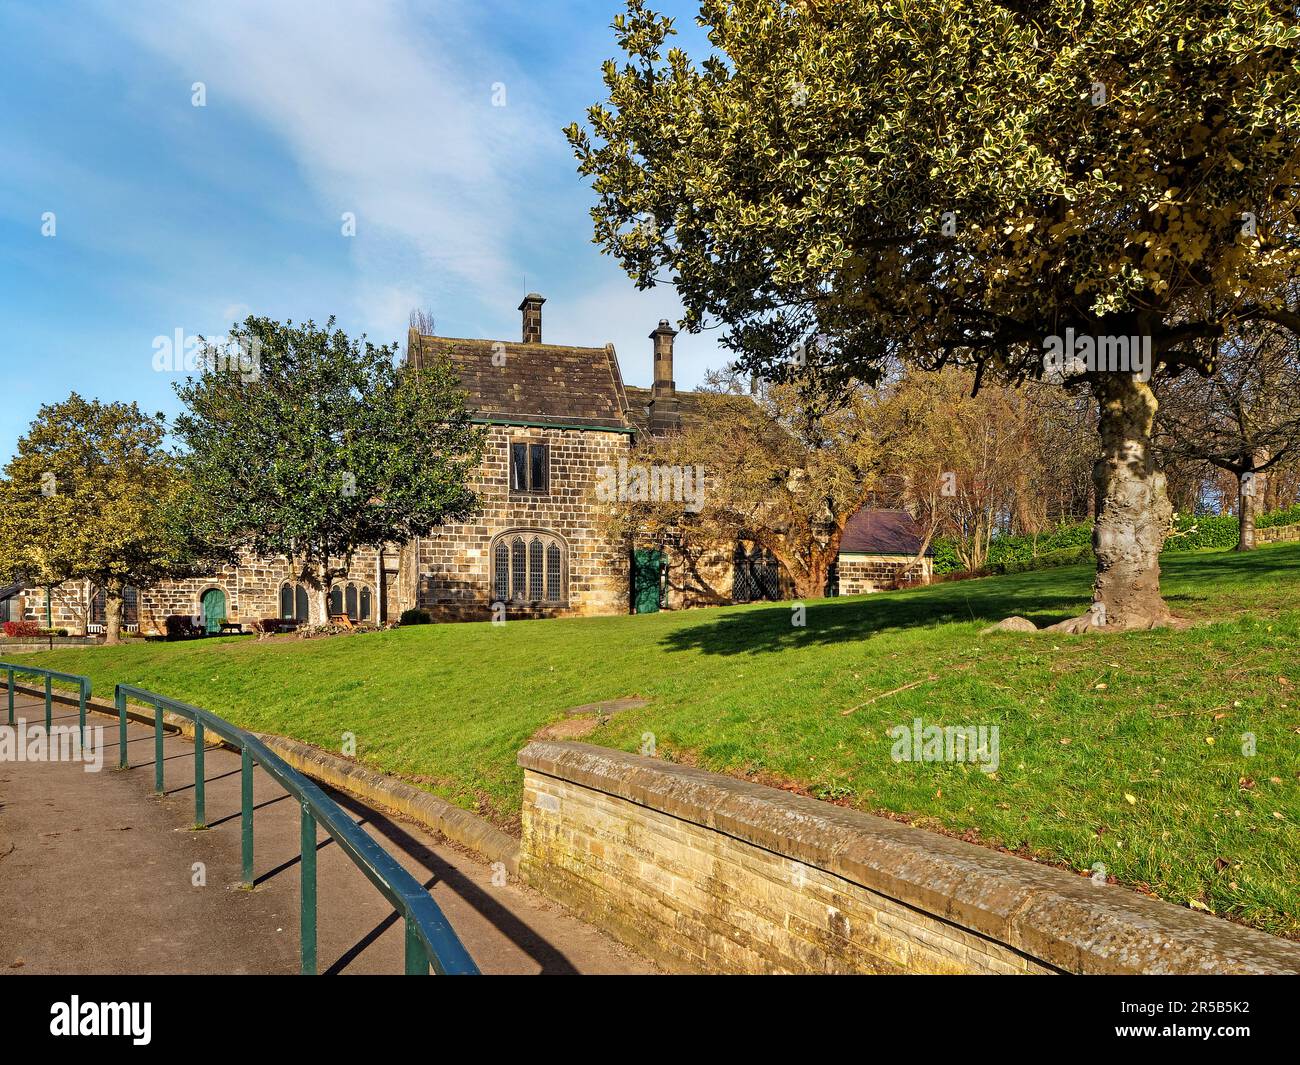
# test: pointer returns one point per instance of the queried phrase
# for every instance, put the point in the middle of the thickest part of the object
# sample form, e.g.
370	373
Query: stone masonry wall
454	564
705	873
873	573
252	592
1277	534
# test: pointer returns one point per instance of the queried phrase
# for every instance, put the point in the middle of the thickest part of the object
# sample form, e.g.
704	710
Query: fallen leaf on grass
1130	799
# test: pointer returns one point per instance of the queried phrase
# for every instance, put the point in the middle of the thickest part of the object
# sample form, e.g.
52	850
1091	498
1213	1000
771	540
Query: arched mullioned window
501	571
530	567
352	599
535	569
293	602
518	568
554	572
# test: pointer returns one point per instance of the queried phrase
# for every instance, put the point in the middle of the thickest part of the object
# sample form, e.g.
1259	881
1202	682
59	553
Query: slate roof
690	407
882	532
540	384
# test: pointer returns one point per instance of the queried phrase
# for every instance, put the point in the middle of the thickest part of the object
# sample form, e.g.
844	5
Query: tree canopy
326	446
958	184
89	496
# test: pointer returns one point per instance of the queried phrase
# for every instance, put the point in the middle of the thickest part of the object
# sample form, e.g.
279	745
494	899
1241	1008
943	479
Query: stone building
556	416
881	549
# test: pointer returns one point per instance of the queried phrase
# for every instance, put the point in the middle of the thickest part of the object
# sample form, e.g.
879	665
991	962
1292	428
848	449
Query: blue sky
169	216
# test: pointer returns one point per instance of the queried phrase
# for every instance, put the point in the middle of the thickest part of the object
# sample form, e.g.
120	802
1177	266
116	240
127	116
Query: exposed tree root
1089	622
1133	622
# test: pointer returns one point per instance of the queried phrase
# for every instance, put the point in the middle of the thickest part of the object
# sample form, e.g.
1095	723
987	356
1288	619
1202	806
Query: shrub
178	626
1069	544
1285	516
21	629
415	616
1065	556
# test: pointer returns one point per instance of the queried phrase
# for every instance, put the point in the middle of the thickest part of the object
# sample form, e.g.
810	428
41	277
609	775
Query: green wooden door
646	566
214	610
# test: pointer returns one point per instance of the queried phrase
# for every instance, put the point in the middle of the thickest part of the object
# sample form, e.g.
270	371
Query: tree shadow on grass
830	621
1044	597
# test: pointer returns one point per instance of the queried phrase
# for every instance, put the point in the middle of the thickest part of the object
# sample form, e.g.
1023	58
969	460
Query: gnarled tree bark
1133	513
114	598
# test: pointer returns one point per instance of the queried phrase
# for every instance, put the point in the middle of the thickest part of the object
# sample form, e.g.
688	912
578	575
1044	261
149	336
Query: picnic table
235	627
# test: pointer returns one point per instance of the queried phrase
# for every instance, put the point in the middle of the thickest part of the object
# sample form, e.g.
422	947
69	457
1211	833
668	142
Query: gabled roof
882	532
533	384
691	406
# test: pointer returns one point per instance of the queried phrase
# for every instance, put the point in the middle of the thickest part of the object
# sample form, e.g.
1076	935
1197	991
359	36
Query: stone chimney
532	310
664	414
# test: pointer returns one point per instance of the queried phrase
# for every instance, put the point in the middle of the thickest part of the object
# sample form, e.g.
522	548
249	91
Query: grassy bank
1125	750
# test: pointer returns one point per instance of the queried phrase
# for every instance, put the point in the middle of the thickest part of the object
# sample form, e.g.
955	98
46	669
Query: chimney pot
532	312
664	391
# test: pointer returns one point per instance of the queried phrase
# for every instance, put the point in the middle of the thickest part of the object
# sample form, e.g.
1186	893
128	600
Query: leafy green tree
961	184
88	496
312	445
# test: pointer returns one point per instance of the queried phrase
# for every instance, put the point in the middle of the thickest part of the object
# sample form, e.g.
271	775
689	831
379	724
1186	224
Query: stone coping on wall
1068	922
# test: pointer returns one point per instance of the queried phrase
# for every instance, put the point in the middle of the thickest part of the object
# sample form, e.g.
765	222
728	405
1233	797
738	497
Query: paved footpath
99	875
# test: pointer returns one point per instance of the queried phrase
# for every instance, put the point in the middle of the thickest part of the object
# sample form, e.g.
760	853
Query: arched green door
214	610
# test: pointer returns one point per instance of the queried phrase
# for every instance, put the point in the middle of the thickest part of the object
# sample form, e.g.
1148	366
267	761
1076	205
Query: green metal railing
50	675
430	939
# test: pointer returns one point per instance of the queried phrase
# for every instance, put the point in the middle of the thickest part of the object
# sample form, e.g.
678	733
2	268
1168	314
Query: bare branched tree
1244	420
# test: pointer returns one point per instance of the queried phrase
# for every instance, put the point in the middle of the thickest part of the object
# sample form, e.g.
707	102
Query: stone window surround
527	533
530	441
342	588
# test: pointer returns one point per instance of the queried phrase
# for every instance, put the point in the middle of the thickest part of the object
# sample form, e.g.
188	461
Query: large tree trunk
1133	514
1245	513
114	593
810	582
318	611
408	576
316	576
1250	491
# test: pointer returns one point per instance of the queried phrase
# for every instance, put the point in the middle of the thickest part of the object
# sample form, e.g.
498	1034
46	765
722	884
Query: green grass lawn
1125	750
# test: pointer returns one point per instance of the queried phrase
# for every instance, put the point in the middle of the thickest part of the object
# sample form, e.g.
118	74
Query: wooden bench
274	625
342	621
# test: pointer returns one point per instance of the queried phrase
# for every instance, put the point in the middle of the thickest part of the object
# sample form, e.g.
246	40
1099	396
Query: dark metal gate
757	576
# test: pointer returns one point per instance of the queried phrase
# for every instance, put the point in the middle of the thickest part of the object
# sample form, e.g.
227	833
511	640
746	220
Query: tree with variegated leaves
957	185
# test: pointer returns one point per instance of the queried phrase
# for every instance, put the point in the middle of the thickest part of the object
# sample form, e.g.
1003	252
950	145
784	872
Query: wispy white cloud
388	112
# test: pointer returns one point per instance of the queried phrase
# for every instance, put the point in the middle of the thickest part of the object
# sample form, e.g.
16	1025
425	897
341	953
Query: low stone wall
705	873
1277	534
37	643
859	574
